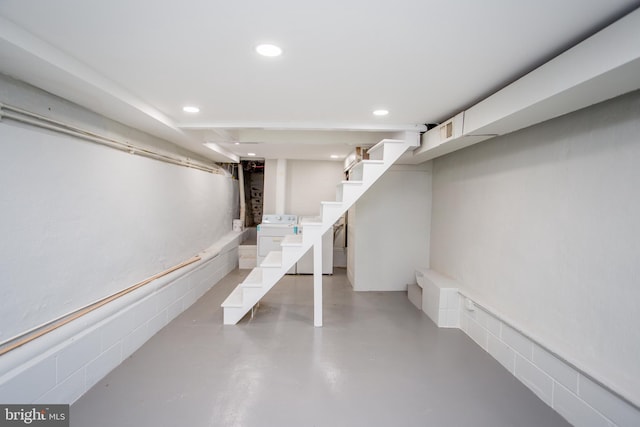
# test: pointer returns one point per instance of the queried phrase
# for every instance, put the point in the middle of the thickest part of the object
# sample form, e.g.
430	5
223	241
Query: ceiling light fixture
269	50
190	109
380	112
335	156
251	154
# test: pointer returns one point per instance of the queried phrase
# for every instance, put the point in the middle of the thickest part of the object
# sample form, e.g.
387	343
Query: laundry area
269	234
393	215
290	218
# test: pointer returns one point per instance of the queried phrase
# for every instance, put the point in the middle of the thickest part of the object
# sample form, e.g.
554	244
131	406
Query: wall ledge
68	361
559	382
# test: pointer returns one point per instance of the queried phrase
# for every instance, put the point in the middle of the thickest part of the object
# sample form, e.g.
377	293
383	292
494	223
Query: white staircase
262	278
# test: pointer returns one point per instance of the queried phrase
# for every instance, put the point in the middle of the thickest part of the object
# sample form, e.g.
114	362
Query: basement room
285	213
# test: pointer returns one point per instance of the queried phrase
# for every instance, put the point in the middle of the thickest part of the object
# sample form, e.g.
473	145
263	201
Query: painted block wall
63	365
81	221
570	391
542	224
573	393
388	230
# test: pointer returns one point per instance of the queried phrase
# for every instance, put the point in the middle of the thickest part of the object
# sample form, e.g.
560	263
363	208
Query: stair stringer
262	278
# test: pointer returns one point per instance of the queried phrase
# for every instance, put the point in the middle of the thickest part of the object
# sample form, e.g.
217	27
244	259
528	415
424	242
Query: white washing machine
271	232
305	264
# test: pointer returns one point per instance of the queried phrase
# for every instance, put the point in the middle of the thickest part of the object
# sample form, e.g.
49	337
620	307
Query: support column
281	186
317	282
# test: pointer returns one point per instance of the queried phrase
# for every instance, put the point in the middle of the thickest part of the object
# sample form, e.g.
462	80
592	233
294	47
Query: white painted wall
64	364
80	221
571	392
306	184
542	225
309	182
388	230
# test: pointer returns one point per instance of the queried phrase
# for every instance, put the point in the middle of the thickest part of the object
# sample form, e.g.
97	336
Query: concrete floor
377	361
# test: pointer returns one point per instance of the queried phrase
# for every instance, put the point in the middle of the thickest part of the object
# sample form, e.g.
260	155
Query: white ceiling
140	61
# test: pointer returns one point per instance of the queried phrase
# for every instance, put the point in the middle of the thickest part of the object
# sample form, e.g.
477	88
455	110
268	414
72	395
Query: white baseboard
571	392
64	364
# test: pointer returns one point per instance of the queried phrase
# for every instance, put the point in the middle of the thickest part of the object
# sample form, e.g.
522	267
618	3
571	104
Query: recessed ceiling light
251	154
269	50
236	143
380	112
190	109
335	156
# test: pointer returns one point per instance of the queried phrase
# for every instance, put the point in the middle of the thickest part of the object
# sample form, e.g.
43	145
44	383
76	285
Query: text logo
34	415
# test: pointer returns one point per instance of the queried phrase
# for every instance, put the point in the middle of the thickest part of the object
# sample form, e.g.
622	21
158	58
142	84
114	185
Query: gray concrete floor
378	361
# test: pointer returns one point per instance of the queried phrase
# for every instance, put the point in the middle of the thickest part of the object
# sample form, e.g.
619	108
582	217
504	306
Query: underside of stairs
262	278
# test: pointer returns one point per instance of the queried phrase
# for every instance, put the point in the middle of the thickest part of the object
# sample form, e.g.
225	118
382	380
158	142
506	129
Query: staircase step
254	279
234	299
358	171
312	225
311	229
291	248
331	211
347	190
273	259
326	206
377	151
311	222
292	240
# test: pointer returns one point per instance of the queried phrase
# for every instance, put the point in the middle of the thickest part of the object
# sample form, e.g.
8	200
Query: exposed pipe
29	336
34	119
